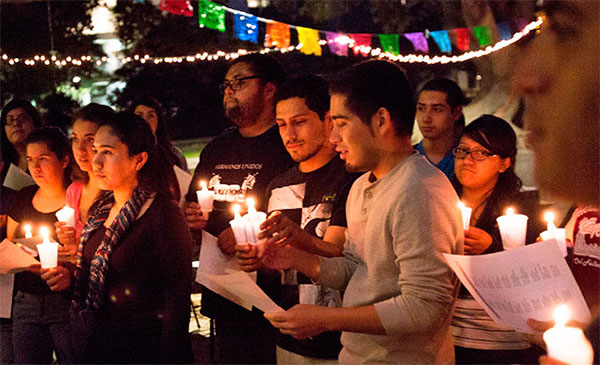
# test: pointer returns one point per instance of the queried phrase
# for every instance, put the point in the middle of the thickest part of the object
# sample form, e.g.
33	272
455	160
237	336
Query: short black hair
267	68
312	88
454	95
371	85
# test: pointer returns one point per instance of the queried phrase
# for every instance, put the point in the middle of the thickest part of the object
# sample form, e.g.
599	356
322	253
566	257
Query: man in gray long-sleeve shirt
402	216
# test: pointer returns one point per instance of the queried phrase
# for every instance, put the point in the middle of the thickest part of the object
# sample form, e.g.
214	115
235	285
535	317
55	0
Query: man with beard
402	216
306	204
239	164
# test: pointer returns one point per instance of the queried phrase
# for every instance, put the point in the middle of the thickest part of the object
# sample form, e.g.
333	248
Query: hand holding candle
466	215
205	199
567	344
246	228
513	229
67	216
559	234
48	251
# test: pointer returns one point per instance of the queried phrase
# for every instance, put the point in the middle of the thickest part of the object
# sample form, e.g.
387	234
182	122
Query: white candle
567	344
66	215
466	215
558	234
238	226
254	219
205	199
27	229
48	251
513	229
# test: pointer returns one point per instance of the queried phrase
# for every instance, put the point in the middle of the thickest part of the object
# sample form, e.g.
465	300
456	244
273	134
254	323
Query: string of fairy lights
376	52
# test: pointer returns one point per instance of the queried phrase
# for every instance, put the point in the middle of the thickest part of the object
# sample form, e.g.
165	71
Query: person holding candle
559	77
131	282
306	204
486	182
239	164
41	311
84	190
402	216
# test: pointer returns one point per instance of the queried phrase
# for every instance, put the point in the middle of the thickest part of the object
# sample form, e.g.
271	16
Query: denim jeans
40	326
6	345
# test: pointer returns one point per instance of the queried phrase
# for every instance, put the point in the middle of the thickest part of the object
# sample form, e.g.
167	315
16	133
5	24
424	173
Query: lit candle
66	215
558	234
205	199
238	225
48	251
27	228
254	220
466	215
567	344
513	229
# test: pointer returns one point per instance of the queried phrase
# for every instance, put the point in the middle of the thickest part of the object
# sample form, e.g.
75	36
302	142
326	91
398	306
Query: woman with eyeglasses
19	118
486	182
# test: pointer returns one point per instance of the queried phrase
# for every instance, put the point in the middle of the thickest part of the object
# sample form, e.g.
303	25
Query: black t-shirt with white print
237	167
313	200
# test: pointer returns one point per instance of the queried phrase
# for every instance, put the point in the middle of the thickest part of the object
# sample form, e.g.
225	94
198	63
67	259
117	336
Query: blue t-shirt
446	164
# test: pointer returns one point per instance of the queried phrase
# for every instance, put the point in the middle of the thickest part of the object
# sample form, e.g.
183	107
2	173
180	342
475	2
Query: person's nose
335	137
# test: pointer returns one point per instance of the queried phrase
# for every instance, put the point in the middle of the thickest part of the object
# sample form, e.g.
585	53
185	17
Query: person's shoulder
287	177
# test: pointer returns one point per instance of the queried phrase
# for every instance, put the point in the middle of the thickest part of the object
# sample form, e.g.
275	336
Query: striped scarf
99	265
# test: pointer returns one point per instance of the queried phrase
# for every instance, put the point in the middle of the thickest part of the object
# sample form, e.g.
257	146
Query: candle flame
44	232
250	203
461	204
27	227
549	217
561	315
510	211
236	210
203	185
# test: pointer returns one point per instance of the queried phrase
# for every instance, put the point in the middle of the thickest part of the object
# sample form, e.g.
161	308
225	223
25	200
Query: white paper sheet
222	275
16	179
184	179
13	259
527	282
7	282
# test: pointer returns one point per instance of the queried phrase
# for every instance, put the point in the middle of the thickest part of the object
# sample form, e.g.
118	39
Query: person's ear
65	162
141	159
504	164
381	121
270	89
457	112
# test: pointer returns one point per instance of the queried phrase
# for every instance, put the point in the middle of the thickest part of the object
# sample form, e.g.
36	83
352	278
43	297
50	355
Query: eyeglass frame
19	120
468	152
238	82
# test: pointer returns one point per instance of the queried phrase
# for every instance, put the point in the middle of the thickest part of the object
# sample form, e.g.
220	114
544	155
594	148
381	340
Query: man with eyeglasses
239	164
440	120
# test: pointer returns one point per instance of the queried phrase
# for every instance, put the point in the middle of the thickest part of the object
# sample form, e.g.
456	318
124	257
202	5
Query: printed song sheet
222	275
14	259
16	179
527	282
183	180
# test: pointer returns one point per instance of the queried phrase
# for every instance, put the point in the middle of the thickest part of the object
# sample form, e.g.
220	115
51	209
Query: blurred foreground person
559	78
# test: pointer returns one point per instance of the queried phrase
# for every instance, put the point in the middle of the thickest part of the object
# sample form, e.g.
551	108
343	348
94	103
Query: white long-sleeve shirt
398	229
